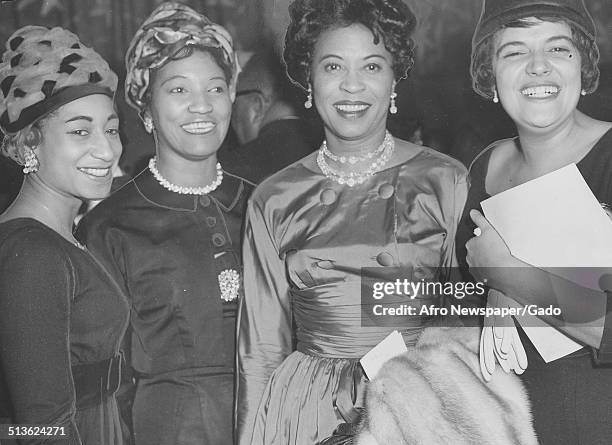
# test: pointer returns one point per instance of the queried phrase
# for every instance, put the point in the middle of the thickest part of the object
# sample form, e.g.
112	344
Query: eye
218	89
113	131
177	90
560	50
512	54
373	67
331	67
80	132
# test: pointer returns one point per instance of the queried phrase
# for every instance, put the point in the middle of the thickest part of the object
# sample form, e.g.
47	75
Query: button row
329	196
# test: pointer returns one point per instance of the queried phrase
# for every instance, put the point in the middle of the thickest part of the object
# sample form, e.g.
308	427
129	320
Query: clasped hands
487	254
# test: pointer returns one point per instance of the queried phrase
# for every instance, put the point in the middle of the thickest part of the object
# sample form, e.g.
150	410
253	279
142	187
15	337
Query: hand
487	253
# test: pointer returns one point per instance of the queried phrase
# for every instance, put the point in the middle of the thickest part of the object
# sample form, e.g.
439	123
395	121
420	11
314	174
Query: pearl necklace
181	190
358	177
353	159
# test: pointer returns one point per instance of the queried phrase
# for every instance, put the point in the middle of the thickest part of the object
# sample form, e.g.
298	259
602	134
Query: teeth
198	127
98	172
351	108
540	91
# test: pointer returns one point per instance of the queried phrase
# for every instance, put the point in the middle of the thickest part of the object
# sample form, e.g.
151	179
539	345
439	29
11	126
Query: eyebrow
90	119
180	76
519	43
335	56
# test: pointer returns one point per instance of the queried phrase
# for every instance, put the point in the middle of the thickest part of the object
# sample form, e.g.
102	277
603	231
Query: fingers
479	219
486	375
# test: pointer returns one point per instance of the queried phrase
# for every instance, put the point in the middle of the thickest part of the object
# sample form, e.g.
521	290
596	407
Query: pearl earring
308	103
31	163
392	106
148	124
495	98
583	93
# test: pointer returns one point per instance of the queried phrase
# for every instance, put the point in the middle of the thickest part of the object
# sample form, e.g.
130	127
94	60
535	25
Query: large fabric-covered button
205	200
385	259
386	191
211	221
218	239
328	196
325	264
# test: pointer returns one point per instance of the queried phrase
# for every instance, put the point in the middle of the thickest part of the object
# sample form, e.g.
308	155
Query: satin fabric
306	240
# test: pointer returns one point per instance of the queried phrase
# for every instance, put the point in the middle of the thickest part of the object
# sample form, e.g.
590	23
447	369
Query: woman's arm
583	310
264	320
36	289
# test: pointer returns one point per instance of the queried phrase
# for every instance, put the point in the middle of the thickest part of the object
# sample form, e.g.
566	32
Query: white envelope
553	221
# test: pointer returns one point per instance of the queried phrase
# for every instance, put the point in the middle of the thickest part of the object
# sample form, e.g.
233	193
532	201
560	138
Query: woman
171	235
62	317
365	199
537	58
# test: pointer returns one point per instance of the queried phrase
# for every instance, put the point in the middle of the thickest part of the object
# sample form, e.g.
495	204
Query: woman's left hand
487	253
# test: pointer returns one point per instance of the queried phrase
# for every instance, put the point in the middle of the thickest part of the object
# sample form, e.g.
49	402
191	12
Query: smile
351	108
539	92
199	127
96	172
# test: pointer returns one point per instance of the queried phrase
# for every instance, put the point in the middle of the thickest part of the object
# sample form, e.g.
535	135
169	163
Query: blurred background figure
268	120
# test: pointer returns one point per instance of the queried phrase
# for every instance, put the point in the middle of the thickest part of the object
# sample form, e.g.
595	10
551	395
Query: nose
538	64
106	147
352	82
199	103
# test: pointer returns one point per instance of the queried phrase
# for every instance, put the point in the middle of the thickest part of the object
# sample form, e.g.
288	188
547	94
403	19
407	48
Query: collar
226	195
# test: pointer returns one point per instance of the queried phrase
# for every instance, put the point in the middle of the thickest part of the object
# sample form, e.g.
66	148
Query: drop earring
392	106
495	98
308	103
148	124
31	163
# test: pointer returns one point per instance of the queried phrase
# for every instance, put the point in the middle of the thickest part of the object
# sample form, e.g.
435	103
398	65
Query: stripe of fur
434	394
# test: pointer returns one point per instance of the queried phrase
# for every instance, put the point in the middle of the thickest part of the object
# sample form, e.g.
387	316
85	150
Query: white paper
553	221
391	346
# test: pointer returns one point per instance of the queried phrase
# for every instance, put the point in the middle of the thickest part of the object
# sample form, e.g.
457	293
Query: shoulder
494	152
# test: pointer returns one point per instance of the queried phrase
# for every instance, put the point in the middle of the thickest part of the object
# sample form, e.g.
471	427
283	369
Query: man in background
267	121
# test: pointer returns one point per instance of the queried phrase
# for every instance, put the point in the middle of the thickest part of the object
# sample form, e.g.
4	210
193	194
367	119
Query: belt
93	382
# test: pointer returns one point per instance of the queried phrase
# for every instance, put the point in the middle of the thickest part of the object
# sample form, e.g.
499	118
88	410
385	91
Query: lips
96	172
199	127
540	91
351	109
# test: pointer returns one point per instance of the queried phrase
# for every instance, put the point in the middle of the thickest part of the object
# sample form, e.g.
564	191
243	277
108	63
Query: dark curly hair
481	69
389	20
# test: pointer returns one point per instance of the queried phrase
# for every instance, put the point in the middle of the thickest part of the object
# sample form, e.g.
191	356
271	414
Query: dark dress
167	250
59	312
306	240
571	397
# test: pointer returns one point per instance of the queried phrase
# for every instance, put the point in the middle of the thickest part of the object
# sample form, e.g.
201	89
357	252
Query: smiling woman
62	317
172	234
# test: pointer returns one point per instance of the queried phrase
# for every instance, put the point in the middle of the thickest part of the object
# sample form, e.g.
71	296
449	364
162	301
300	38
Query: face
80	147
538	74
352	81
191	105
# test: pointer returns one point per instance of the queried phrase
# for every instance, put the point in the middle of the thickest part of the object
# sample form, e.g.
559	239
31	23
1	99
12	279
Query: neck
39	201
354	147
546	147
186	172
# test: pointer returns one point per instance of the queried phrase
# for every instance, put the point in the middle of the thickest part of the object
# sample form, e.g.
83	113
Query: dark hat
498	13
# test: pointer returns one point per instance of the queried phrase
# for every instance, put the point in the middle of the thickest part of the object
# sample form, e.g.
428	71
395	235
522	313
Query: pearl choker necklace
353	178
181	190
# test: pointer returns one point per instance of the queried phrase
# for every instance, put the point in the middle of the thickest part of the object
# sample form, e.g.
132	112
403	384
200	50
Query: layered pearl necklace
181	190
352	178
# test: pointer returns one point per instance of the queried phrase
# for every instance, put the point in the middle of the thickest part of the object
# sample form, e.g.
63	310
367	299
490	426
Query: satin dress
300	336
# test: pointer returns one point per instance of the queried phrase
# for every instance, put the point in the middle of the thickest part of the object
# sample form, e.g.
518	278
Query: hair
13	145
389	20
265	71
481	69
187	51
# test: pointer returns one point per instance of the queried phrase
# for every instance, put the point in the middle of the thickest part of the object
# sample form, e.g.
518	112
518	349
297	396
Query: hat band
34	112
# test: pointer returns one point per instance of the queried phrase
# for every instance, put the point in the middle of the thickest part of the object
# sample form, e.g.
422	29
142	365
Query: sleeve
36	290
264	321
603	355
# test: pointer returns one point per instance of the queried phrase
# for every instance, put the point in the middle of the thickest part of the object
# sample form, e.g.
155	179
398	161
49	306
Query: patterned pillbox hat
43	69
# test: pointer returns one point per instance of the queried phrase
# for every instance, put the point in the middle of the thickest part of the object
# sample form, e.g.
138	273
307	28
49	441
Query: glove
499	341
